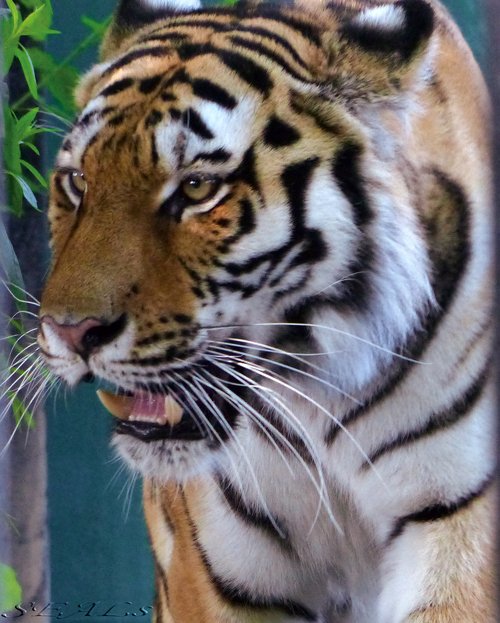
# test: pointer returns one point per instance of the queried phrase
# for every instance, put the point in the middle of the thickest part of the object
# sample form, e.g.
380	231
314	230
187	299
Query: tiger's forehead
187	111
201	74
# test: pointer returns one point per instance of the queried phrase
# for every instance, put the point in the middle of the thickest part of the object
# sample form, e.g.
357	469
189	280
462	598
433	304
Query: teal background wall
99	548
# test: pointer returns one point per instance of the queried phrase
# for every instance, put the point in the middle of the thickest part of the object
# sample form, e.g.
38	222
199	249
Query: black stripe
67	206
208	90
117	87
278	133
201	20
247	70
307	30
449	251
157	337
239	596
256	518
116	120
346	169
218	155
440	510
159	50
264	32
148	85
312	107
206	20
281	434
474	339
193	122
175	114
153	118
295	179
90	143
448	242
87	118
168	97
180	75
168	36
355	289
439	421
262	50
187	51
246	172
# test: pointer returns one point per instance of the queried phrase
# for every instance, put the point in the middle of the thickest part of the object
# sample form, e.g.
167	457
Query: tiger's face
201	200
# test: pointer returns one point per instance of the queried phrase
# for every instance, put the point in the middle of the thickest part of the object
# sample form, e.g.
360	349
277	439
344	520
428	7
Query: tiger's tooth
119	406
173	411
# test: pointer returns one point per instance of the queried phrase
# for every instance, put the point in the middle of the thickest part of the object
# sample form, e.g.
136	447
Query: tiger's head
229	187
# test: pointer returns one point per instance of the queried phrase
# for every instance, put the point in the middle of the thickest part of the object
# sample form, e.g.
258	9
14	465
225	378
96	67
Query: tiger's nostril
83	337
100	335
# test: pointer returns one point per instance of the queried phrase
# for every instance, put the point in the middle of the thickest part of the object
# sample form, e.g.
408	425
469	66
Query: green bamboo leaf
98	28
35	173
16	15
11	149
37	24
28	70
59	80
24	124
28	194
10	590
30	146
9	42
22	415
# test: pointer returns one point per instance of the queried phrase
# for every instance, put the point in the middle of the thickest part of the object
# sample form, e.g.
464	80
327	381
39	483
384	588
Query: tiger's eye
198	189
77	182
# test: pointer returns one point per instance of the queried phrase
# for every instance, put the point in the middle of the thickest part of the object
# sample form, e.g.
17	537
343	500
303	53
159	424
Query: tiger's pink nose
83	337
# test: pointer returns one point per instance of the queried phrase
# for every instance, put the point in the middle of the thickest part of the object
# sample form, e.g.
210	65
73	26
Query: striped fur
324	315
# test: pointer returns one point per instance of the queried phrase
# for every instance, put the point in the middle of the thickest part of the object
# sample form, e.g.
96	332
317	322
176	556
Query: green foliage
10	590
24	27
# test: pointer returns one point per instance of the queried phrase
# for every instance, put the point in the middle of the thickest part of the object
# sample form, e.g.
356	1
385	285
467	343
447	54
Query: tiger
271	242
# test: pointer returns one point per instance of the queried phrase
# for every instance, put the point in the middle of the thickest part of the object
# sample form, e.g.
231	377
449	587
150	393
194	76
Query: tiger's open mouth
151	417
161	413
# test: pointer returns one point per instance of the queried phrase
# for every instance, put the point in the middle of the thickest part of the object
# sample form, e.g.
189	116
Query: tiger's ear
380	49
132	14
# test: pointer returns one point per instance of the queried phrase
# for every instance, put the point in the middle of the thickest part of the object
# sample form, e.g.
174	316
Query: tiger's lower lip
186	430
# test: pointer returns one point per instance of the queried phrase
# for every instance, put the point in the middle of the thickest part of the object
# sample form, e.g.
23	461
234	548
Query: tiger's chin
166	460
169	435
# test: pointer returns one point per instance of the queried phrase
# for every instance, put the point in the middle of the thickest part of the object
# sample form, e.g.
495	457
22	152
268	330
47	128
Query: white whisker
322	327
274	377
244	455
264	424
296	370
